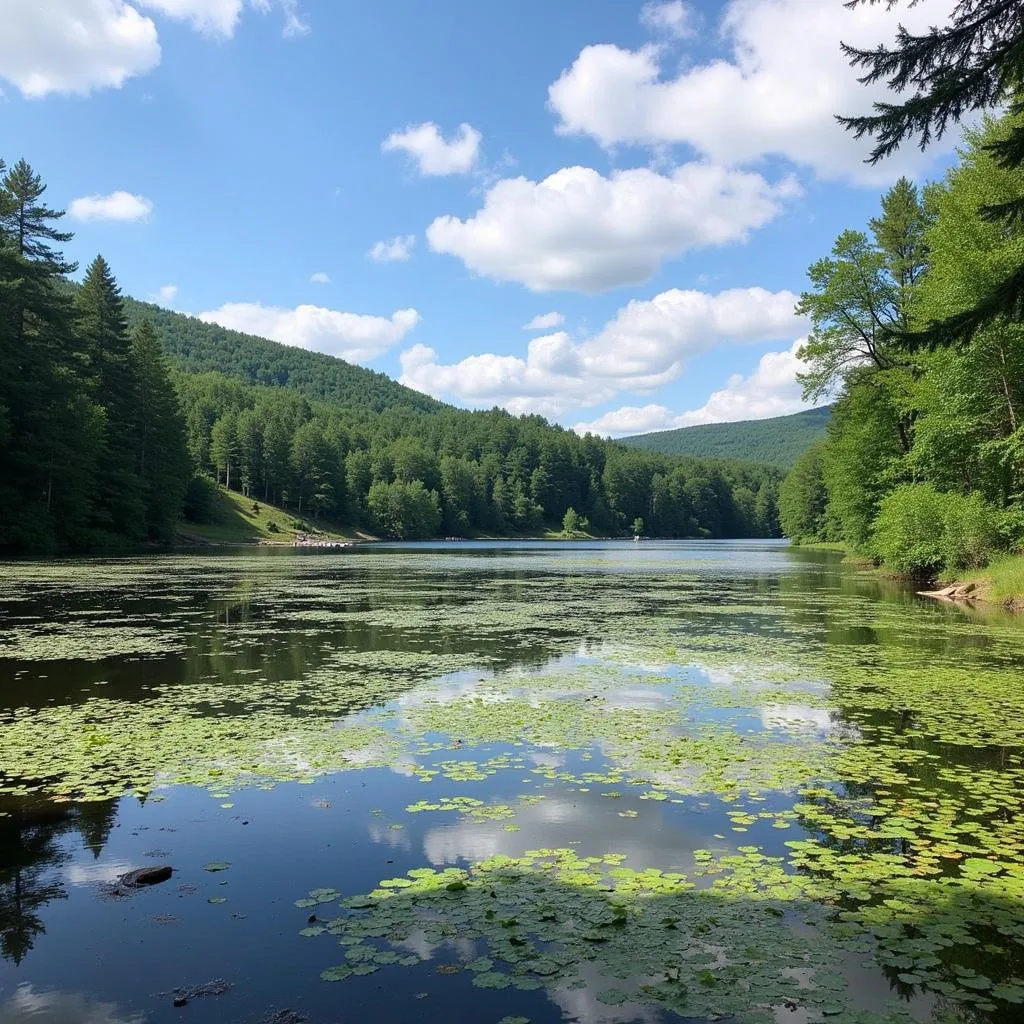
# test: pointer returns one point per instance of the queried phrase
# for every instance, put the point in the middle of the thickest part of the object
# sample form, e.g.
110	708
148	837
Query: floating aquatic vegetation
882	740
553	919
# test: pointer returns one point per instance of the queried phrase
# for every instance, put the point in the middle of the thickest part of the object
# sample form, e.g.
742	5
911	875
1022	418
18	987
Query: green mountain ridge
196	346
778	441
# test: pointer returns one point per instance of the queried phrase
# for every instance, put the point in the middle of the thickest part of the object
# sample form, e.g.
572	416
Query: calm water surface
667	781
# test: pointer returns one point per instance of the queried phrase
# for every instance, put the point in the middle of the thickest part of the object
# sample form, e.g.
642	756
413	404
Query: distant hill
779	441
198	347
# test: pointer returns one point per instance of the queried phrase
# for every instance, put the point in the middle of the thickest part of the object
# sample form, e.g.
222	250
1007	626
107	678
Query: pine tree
29	223
164	464
224	448
975	62
48	427
120	506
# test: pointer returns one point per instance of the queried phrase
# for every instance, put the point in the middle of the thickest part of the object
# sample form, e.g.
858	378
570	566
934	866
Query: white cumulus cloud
212	17
80	46
433	153
644	346
356	337
545	322
394	250
777	92
581	231
320	278
771	390
74	46
118	206
166	294
671	18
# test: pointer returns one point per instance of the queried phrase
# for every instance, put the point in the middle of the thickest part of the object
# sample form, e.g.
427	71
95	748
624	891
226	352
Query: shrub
970	533
907	532
919	530
272	527
1011	526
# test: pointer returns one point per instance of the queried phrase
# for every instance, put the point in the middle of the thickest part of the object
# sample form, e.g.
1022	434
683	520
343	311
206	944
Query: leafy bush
272	527
1011	526
919	530
970	531
907	532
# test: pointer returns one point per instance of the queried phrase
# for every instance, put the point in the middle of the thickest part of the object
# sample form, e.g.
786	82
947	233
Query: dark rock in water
147	876
180	1001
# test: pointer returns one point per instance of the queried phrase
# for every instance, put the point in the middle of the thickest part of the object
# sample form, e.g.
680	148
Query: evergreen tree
224	448
30	224
48	426
120	508
164	464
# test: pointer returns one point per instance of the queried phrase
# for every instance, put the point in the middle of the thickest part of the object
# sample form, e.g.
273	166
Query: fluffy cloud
643	347
221	17
777	93
545	322
74	46
771	390
352	336
320	278
671	18
79	46
119	206
582	231
212	17
166	294
395	250
433	153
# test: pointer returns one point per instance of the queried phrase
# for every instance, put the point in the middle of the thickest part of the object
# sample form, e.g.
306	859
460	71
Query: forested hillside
199	347
778	441
406	473
105	444
923	466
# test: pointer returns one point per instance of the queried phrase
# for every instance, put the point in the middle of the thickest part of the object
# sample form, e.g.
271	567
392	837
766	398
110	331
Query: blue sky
658	175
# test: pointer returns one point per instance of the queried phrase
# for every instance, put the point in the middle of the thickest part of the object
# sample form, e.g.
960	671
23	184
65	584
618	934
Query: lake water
506	782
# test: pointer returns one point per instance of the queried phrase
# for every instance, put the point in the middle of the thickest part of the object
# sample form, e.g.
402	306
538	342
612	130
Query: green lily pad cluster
554	920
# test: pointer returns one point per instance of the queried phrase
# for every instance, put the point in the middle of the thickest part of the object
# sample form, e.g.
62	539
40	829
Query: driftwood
956	592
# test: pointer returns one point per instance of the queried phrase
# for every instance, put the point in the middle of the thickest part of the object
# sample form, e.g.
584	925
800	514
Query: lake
506	782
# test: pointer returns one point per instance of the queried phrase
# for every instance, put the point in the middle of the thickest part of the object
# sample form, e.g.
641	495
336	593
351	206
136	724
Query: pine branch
1006	300
971	64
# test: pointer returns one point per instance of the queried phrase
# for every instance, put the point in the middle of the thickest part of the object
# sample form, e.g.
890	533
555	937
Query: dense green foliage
803	498
91	440
406	473
778	441
101	440
924	463
974	62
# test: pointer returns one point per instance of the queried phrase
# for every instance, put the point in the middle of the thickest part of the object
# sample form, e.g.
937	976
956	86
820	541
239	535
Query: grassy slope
1001	582
779	441
237	523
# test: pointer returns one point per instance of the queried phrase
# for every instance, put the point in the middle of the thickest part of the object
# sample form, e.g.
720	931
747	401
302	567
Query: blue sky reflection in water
343	720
